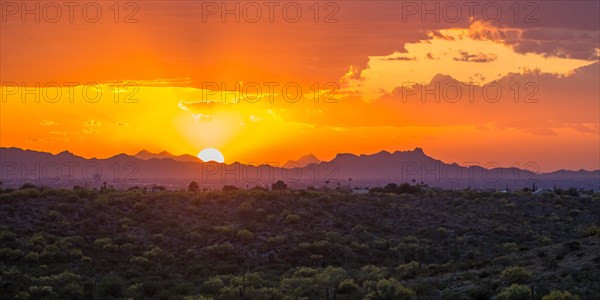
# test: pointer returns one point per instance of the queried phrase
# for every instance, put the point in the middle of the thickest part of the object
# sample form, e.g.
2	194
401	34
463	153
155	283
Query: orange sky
383	83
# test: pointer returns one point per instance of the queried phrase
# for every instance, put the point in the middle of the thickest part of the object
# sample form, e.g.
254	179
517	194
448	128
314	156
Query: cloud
336	128
254	118
48	123
491	56
49	140
182	106
400	58
203	118
58	132
91	131
93	123
589	128
540	131
559	42
478	58
128	85
121	124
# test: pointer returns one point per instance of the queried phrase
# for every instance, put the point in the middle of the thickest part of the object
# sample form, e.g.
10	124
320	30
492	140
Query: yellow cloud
91	131
48	123
92	123
480	51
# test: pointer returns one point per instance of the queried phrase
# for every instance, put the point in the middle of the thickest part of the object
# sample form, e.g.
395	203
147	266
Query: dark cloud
400	58
579	44
478	58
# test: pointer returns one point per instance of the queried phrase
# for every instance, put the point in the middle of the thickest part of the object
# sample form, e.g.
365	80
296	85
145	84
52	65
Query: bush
347	286
391	289
111	287
592	230
212	286
516	275
558	295
229	188
221	249
409	270
291	219
279	186
510	247
515	292
245	234
7	236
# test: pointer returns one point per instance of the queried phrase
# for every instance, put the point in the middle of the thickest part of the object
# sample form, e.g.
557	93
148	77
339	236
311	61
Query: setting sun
211	154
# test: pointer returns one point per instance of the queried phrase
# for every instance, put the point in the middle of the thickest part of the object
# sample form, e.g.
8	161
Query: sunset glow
300	150
201	82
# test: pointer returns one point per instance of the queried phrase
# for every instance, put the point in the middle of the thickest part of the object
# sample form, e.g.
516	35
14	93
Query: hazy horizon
181	77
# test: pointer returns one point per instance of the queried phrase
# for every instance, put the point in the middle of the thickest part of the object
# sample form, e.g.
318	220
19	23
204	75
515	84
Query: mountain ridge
19	165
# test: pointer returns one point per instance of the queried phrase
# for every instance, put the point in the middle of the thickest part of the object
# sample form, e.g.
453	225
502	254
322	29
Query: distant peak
441	78
305	160
310	156
417	150
342	155
144	152
121	155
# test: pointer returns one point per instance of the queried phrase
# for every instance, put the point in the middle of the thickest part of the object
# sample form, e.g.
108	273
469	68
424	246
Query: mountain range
66	169
146	155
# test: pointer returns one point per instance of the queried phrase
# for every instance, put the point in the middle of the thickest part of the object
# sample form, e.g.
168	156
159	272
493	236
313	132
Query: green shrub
391	289
510	247
516	275
111	287
245	235
212	286
559	295
409	270
291	219
515	292
347	286
591	230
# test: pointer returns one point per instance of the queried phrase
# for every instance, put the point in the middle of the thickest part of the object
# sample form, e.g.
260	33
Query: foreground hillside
297	244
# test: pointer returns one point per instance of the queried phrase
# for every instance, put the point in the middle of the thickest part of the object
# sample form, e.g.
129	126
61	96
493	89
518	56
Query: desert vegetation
398	242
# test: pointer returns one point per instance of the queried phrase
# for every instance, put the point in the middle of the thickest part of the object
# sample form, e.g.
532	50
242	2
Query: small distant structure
541	192
358	190
505	191
157	188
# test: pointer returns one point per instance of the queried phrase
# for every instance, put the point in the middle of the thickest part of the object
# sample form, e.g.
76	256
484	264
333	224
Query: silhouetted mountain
145	155
569	173
384	164
66	169
304	161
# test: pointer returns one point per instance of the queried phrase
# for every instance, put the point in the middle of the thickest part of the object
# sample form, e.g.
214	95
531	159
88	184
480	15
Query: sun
211	154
